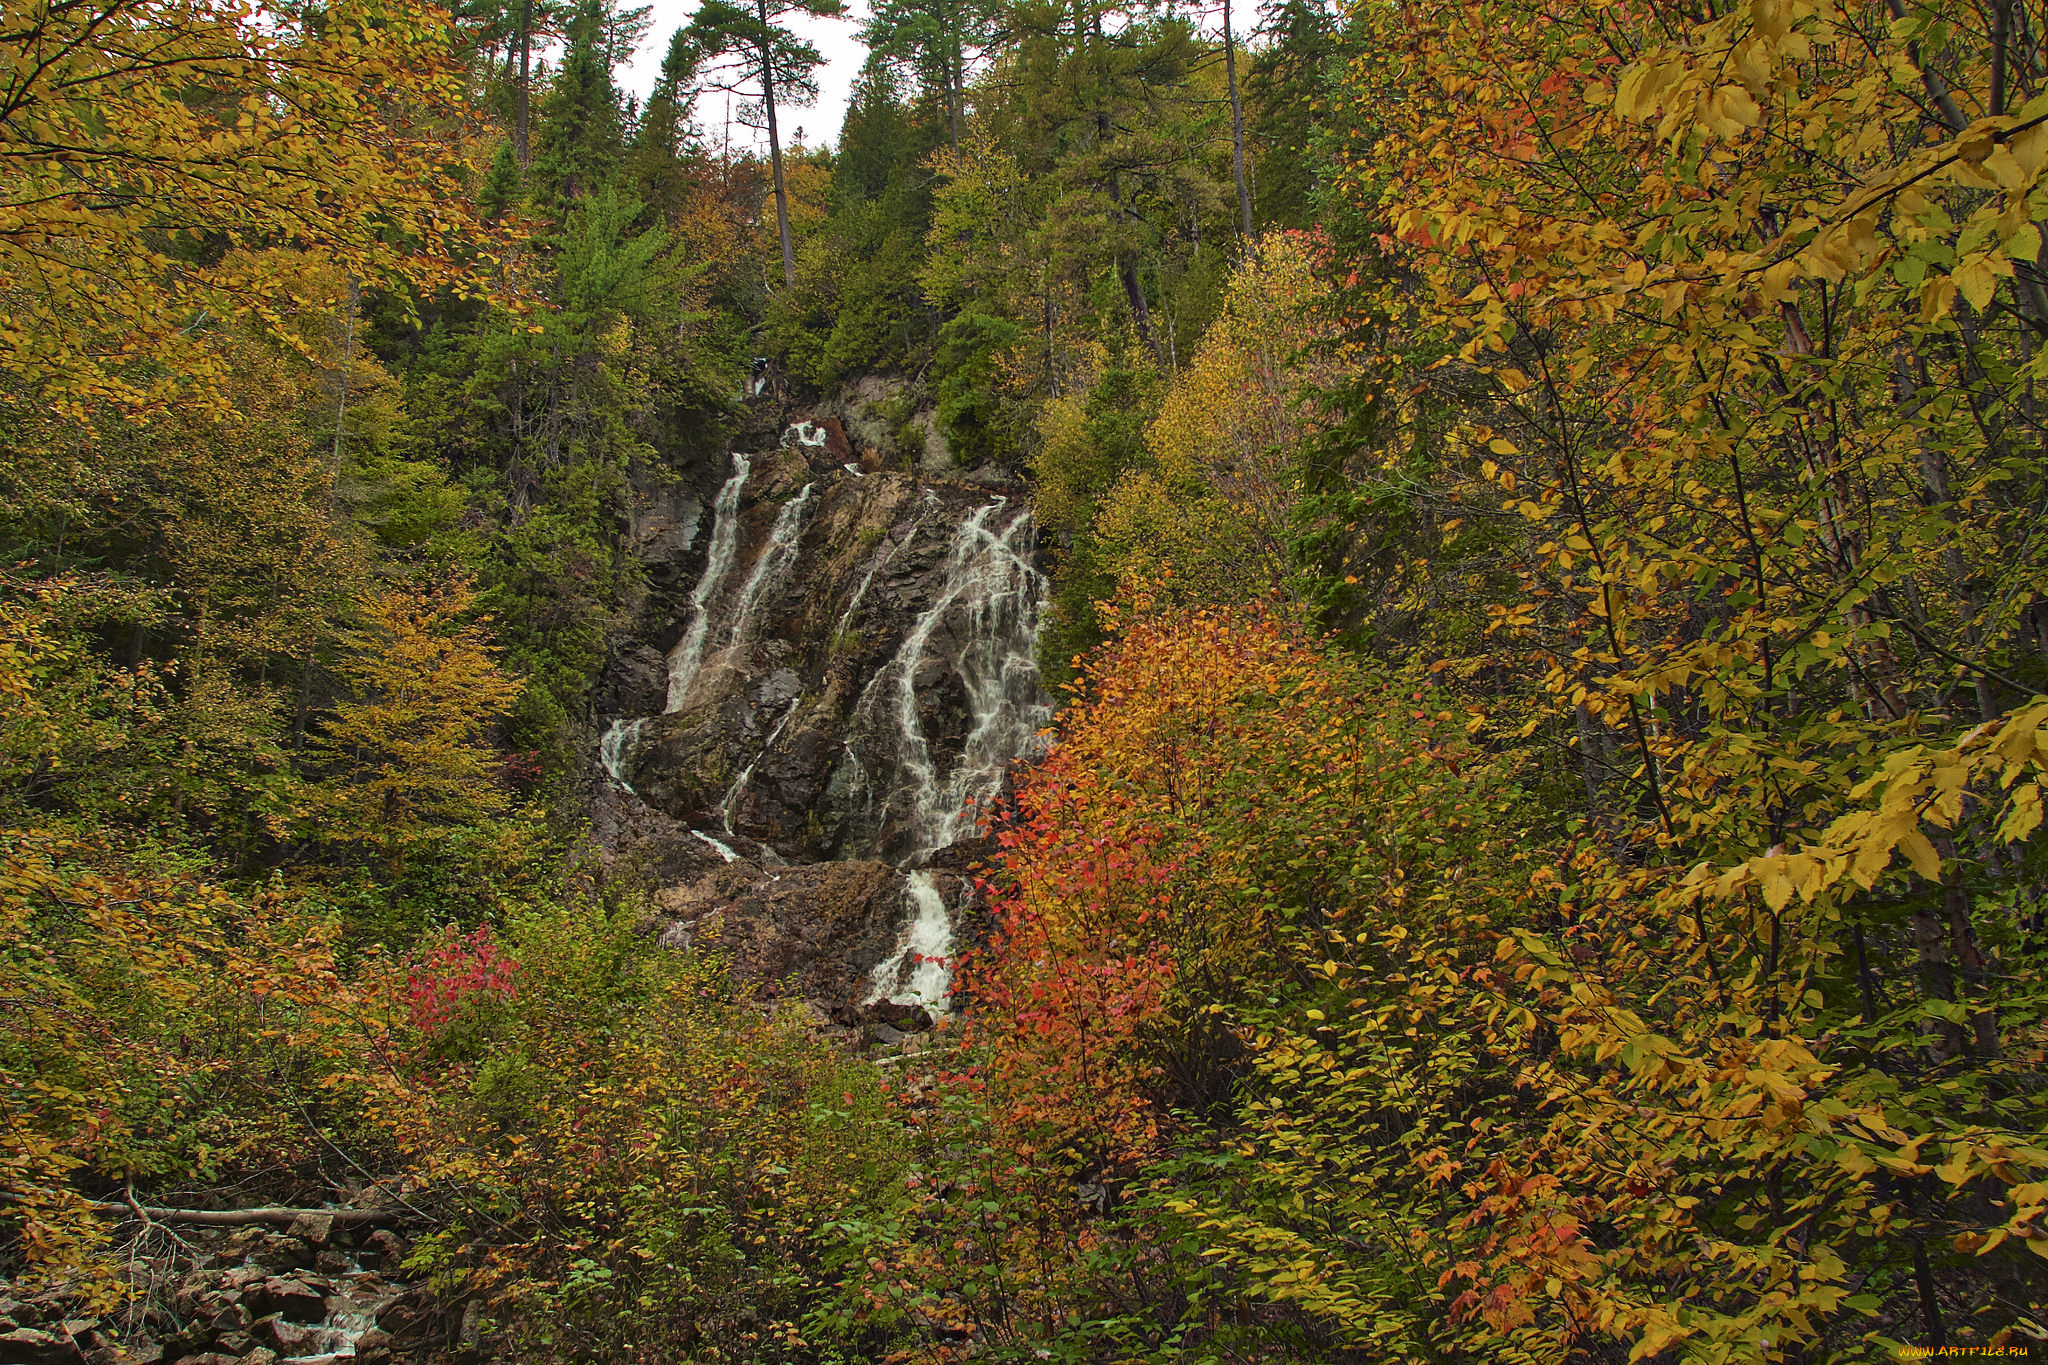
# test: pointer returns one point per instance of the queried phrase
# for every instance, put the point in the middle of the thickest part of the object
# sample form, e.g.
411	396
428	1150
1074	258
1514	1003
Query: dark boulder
291	1299
34	1346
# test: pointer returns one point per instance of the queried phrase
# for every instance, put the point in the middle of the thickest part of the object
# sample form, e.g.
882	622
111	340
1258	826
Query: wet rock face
858	632
832	665
818	929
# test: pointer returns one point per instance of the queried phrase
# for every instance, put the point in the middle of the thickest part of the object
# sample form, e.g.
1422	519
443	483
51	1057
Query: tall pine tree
749	50
1285	86
582	136
655	164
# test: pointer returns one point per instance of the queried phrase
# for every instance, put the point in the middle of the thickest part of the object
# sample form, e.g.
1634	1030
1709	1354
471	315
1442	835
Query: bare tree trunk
1244	191
2001	32
1141	313
1930	1298
1966	951
519	142
232	1218
1937	981
775	146
348	356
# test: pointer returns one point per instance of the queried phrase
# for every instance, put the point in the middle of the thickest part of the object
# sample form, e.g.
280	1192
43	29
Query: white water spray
1000	596
773	565
688	655
995	598
721	849
617	746
917	973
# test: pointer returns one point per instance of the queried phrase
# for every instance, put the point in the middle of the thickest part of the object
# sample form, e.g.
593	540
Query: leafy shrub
1312	1030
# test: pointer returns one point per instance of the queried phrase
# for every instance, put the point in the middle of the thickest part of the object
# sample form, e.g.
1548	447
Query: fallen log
230	1218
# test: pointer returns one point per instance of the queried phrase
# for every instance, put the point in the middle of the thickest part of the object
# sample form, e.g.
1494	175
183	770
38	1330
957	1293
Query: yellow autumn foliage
242	128
1216	502
409	750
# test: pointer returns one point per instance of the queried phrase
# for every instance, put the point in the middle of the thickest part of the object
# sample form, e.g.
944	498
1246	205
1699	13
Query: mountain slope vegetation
1539	857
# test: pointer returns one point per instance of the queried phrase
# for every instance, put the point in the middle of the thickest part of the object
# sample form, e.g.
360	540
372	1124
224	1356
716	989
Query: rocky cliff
828	678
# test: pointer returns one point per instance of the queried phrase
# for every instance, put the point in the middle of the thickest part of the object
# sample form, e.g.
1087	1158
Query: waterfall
615	749
720	849
923	743
685	658
999	666
1000	596
617	746
926	945
771	567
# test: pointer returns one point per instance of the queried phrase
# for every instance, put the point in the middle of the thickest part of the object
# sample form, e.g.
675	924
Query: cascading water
722	850
925	949
924	744
739	786
804	435
617	747
688	655
998	664
773	565
992	599
999	595
686	660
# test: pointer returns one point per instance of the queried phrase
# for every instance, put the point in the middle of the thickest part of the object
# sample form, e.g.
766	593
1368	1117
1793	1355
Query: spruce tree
503	187
654	165
1285	84
581	133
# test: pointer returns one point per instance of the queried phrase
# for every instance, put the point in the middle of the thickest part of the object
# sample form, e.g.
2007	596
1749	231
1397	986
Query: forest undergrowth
1540	857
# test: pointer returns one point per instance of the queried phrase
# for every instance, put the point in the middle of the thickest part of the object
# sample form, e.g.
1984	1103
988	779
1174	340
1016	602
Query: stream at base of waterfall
962	655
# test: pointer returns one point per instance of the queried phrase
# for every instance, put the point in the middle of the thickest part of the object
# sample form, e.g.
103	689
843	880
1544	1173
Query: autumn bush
165	1033
632	1159
612	1150
1227	792
617	1152
1640	1117
1219	777
1316	1025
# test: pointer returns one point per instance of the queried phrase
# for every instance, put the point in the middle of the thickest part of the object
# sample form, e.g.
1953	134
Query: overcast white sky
833	37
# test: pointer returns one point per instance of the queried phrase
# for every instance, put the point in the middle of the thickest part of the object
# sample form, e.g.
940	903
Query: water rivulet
803	736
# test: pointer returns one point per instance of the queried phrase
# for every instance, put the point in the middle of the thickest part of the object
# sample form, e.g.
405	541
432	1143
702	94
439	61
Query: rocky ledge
821	693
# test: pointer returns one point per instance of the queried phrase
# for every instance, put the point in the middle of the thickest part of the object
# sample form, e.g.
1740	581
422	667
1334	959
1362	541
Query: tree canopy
1539	855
